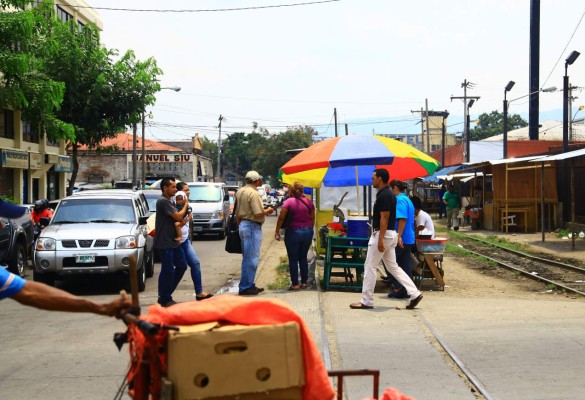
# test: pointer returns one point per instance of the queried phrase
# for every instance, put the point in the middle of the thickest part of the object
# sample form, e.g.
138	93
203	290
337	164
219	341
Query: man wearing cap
250	215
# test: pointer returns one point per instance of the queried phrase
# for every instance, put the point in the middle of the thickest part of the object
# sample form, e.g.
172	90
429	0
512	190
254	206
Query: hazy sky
373	60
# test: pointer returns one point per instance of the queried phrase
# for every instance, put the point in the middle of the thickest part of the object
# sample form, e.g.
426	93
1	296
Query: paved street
517	346
68	356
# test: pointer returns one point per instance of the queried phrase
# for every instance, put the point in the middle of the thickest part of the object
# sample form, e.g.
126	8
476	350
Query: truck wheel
18	264
150	264
140	277
47	279
221	235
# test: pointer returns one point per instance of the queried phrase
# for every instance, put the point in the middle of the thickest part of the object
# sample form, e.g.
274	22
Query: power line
310	3
563	52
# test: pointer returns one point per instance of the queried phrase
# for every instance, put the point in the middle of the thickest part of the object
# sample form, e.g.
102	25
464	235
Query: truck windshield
209	193
95	210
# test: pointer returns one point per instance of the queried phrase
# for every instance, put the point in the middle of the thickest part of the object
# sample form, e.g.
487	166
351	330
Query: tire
221	235
141	278
18	263
47	279
150	264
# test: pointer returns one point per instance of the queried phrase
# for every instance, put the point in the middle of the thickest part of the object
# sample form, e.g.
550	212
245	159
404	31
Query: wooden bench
508	218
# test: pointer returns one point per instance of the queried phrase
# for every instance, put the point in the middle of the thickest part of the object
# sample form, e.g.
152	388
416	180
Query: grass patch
282	276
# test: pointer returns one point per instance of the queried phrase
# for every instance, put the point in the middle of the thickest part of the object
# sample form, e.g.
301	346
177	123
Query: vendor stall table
430	256
345	258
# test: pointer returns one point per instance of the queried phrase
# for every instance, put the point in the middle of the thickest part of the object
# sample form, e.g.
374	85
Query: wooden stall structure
515	201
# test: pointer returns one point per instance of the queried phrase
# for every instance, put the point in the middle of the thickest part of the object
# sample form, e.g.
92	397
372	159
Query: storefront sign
64	164
15	159
36	161
178	158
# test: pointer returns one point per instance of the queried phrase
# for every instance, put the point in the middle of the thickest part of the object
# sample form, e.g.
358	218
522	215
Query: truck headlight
46	244
217	214
126	242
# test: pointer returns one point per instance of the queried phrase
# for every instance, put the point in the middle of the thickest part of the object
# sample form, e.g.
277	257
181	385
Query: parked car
151	197
96	232
210	204
16	242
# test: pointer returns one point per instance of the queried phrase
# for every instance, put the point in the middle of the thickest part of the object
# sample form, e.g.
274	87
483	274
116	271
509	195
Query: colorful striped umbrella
350	161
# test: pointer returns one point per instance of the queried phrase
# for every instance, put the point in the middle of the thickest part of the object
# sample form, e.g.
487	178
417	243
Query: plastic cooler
357	227
436	245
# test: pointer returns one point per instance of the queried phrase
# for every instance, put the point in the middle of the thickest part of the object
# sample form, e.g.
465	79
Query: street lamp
509	87
569	61
150	116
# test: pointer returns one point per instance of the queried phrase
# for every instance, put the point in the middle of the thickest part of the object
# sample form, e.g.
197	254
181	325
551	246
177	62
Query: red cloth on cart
235	310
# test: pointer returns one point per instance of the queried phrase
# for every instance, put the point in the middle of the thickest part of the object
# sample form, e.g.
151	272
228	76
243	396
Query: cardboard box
209	360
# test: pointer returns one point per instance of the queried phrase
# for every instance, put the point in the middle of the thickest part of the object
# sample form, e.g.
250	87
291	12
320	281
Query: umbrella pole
357	189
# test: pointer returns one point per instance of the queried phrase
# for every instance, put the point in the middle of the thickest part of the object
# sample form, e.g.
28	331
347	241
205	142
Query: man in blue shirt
405	230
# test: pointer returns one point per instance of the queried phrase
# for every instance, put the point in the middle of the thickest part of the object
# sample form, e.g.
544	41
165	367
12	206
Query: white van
210	204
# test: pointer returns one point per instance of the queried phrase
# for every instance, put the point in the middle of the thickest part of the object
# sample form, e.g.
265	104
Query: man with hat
250	215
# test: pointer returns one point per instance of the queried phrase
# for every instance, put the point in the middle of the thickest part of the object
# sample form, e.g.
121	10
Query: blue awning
443	171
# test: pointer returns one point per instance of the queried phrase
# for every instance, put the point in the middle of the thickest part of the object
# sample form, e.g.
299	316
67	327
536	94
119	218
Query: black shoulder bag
233	243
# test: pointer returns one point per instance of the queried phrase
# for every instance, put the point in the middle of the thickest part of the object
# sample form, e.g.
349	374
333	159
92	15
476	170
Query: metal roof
562	156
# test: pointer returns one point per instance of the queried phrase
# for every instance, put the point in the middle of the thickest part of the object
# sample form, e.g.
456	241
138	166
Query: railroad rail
568	277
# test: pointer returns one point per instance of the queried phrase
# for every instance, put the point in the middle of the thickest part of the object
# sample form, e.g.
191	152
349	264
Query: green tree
102	96
24	82
493	124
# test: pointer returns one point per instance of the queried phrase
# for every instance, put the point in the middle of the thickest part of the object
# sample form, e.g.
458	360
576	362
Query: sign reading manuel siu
182	166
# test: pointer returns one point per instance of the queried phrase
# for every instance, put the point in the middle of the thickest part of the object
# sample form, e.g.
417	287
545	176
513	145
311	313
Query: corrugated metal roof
562	156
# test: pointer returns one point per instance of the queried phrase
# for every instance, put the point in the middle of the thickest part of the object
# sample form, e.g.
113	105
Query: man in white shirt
422	219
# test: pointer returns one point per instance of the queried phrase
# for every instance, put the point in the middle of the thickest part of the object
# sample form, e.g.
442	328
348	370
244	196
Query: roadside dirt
468	277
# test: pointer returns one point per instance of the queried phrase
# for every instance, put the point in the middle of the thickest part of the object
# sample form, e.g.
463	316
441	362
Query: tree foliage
258	150
24	82
493	124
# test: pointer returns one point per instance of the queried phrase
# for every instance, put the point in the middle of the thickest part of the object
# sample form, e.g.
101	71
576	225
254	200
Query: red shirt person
41	210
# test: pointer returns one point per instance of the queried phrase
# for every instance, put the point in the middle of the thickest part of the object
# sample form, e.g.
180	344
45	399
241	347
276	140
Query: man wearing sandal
382	244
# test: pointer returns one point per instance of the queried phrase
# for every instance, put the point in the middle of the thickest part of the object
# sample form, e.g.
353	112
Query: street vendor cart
430	257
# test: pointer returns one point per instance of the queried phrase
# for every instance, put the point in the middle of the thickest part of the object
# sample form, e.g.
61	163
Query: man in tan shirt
250	215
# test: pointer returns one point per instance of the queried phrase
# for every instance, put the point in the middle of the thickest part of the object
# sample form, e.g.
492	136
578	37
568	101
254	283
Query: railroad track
568	277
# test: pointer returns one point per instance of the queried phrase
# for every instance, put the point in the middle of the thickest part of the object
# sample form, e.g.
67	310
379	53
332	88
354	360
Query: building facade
32	167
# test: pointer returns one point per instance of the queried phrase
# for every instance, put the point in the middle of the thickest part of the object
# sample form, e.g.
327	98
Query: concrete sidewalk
515	348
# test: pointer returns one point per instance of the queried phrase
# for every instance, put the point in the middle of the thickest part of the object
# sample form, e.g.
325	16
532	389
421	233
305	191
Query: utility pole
335	116
427	126
346	130
465	85
422	128
143	156
220	119
134	155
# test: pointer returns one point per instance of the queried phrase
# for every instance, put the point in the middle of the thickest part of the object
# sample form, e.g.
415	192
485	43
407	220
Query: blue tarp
443	171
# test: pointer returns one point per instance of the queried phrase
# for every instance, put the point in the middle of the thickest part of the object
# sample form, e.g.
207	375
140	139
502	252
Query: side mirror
226	197
142	220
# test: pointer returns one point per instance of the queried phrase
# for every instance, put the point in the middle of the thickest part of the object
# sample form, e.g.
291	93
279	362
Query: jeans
194	264
389	256
297	242
452	214
172	268
251	235
404	261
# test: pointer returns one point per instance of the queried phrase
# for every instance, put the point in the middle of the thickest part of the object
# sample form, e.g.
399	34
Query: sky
375	61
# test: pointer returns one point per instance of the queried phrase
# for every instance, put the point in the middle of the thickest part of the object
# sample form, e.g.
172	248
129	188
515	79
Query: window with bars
29	134
63	15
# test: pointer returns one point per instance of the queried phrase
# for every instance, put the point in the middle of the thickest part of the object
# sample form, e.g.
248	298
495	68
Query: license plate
85	258
197	228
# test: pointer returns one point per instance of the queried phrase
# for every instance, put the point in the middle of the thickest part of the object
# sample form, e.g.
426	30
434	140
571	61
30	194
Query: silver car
95	232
